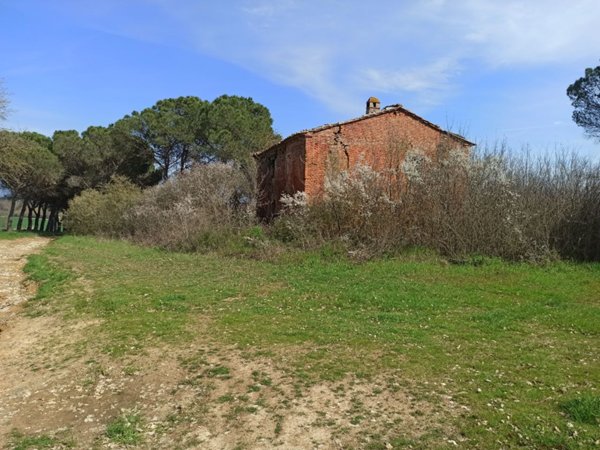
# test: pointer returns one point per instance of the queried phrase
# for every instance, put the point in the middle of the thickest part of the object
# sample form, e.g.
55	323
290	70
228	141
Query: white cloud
338	51
267	8
527	33
431	81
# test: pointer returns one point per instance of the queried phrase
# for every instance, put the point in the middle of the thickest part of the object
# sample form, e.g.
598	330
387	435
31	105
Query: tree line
144	147
149	146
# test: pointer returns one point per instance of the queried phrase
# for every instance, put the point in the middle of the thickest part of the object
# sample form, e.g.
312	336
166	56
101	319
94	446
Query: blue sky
490	70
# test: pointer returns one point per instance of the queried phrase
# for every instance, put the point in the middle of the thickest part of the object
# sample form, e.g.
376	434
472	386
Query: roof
386	110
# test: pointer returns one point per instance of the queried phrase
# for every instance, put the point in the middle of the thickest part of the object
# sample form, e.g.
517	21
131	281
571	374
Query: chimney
373	105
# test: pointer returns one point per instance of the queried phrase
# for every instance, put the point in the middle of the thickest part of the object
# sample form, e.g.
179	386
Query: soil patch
202	395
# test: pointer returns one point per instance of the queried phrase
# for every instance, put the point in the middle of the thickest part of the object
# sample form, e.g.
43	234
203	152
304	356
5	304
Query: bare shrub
489	202
464	205
103	212
295	225
193	209
555	206
565	195
356	211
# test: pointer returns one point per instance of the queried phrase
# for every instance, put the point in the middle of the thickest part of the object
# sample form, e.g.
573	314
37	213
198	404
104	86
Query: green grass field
518	345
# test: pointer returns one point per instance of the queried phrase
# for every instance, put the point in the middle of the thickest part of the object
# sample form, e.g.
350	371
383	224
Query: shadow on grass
10	235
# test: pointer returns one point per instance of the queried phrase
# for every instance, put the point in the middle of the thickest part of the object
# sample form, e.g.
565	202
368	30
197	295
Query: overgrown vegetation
191	211
103	212
208	202
489	203
443	301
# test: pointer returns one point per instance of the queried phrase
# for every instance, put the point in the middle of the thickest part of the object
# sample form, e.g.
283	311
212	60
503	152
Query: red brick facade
379	139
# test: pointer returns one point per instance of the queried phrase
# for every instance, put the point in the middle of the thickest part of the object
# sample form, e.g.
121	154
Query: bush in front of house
488	203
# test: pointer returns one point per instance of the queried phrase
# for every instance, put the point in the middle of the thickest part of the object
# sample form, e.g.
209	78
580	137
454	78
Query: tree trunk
54	218
36	215
29	217
42	224
167	163
21	214
184	159
51	221
13	202
57	222
37	212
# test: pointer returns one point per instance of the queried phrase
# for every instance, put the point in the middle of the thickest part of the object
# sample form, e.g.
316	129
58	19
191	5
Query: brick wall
303	161
381	141
280	171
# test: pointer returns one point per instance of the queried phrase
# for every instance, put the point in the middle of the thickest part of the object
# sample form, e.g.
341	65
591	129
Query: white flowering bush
355	210
414	166
207	200
296	203
469	204
484	203
356	204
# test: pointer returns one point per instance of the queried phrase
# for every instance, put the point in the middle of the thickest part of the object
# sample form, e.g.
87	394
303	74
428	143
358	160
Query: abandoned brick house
302	161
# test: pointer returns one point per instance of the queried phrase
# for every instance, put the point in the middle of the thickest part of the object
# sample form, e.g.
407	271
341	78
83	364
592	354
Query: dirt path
13	256
15	336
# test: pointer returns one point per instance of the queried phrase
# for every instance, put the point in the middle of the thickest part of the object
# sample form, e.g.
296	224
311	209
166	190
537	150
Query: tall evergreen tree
585	98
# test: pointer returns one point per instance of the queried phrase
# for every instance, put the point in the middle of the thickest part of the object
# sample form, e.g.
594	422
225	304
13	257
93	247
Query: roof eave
385	110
